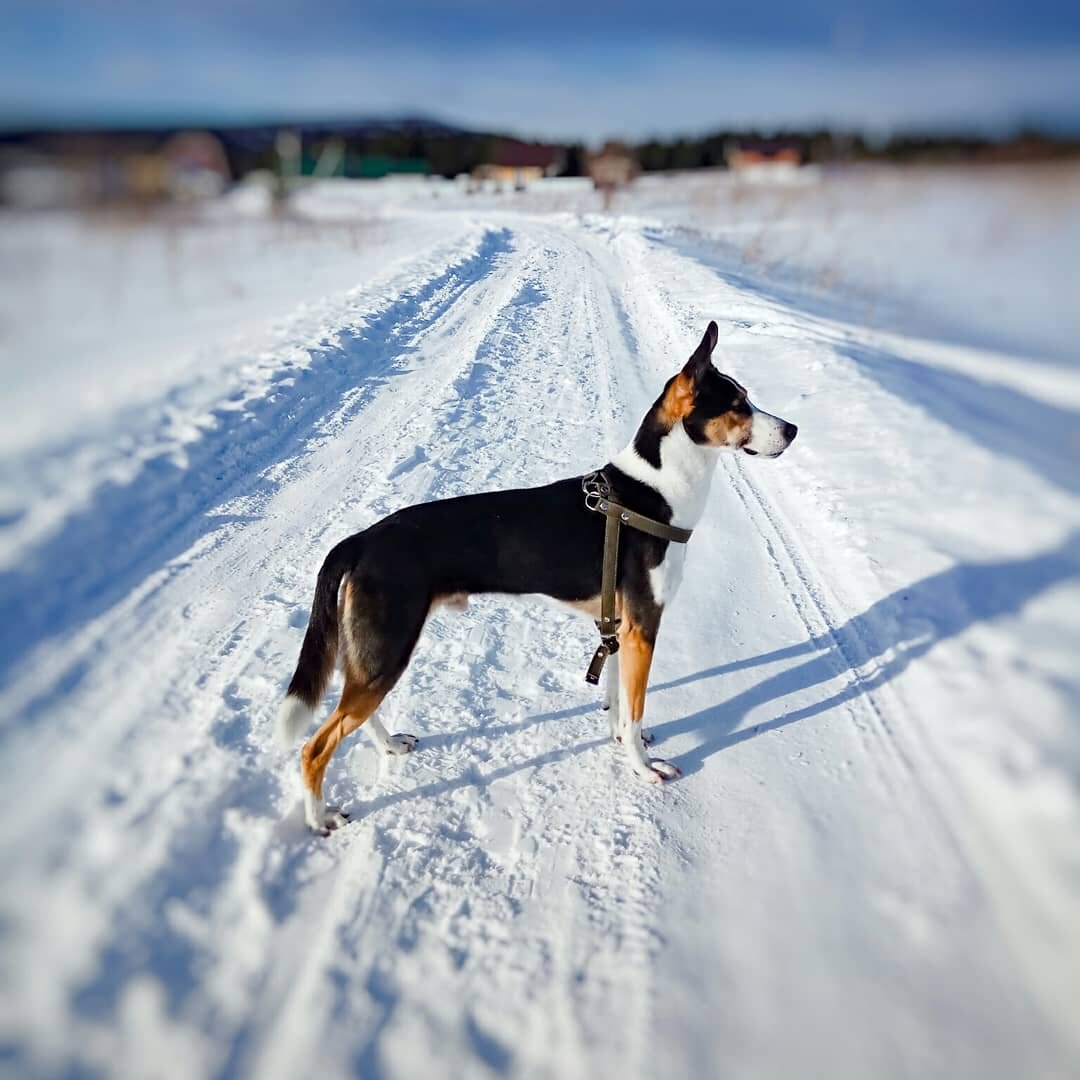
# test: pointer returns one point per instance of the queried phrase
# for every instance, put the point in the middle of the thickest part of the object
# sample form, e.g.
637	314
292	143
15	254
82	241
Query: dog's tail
319	651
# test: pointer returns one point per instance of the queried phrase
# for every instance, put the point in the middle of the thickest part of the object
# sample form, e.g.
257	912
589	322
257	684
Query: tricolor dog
376	589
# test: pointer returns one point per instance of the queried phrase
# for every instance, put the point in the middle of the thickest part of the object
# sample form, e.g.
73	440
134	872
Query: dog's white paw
333	818
400	744
657	771
323	819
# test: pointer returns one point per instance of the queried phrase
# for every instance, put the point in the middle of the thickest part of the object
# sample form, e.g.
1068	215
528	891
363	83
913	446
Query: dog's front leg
612	695
636	650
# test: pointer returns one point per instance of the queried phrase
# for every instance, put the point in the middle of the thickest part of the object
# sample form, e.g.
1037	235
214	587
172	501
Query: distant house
518	163
335	159
374	166
127	166
754	153
195	165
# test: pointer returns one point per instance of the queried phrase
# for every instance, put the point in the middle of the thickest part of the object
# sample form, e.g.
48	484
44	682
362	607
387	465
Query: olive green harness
597	490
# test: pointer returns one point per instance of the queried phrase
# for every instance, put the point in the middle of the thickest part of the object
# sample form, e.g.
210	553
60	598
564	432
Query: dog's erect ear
699	363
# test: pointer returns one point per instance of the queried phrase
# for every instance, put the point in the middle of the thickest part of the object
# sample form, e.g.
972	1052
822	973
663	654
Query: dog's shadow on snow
873	648
474	777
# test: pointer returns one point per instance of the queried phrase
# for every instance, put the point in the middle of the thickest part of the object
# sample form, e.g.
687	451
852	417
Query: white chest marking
683	479
664	580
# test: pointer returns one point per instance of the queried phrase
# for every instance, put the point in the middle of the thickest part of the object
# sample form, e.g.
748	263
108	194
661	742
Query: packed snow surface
870	678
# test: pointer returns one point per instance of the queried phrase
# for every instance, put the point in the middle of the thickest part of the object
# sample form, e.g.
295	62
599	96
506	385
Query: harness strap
597	490
646	525
608	623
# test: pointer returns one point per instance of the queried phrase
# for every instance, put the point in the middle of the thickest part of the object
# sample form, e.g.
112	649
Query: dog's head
715	409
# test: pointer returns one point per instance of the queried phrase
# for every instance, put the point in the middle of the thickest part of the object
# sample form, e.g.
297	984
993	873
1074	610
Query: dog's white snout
770	436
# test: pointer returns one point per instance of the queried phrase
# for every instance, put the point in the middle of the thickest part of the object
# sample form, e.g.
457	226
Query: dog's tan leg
356	705
635	660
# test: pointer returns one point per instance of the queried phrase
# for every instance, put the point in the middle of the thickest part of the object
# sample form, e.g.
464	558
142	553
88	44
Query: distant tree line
447	152
824	146
450	152
423	146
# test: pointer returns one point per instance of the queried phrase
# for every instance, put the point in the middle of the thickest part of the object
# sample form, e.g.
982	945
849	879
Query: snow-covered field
871	677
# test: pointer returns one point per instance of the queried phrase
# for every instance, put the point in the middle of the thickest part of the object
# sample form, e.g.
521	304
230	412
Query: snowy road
870	867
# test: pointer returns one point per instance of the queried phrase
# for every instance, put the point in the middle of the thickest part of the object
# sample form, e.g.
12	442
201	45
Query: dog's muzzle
770	436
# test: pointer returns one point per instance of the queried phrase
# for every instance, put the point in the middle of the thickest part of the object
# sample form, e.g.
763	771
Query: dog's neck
683	478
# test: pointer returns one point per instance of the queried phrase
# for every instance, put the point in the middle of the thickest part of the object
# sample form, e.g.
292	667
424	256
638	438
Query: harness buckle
596	489
607	646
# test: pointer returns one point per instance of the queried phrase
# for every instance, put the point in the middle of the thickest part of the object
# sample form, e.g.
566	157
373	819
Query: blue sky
557	69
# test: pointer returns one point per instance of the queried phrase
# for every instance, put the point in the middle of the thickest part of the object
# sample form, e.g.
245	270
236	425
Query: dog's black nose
790	431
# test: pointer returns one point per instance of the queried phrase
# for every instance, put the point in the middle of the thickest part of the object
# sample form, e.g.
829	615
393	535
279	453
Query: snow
869	677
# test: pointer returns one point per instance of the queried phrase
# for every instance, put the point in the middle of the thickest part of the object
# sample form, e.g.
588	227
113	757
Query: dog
376	589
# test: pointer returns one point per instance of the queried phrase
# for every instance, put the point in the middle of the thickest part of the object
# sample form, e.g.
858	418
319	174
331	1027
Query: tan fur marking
356	705
342	641
457	601
635	660
591	607
678	401
344	599
350	654
728	429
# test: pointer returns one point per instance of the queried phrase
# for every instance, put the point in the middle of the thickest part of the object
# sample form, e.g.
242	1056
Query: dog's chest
664	579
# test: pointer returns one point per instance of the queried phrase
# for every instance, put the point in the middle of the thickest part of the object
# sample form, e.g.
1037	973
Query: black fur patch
648	436
526	540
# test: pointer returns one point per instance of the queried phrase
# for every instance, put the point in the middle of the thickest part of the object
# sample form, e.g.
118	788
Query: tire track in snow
199	787
831	632
490	815
154	871
875	706
820	614
495	801
130	530
983	864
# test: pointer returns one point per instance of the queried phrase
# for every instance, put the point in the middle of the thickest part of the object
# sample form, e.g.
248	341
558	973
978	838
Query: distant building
193	165
518	164
335	159
373	166
755	153
122	167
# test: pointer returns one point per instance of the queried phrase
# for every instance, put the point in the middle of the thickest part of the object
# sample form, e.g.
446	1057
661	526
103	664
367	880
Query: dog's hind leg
381	619
357	704
379	632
